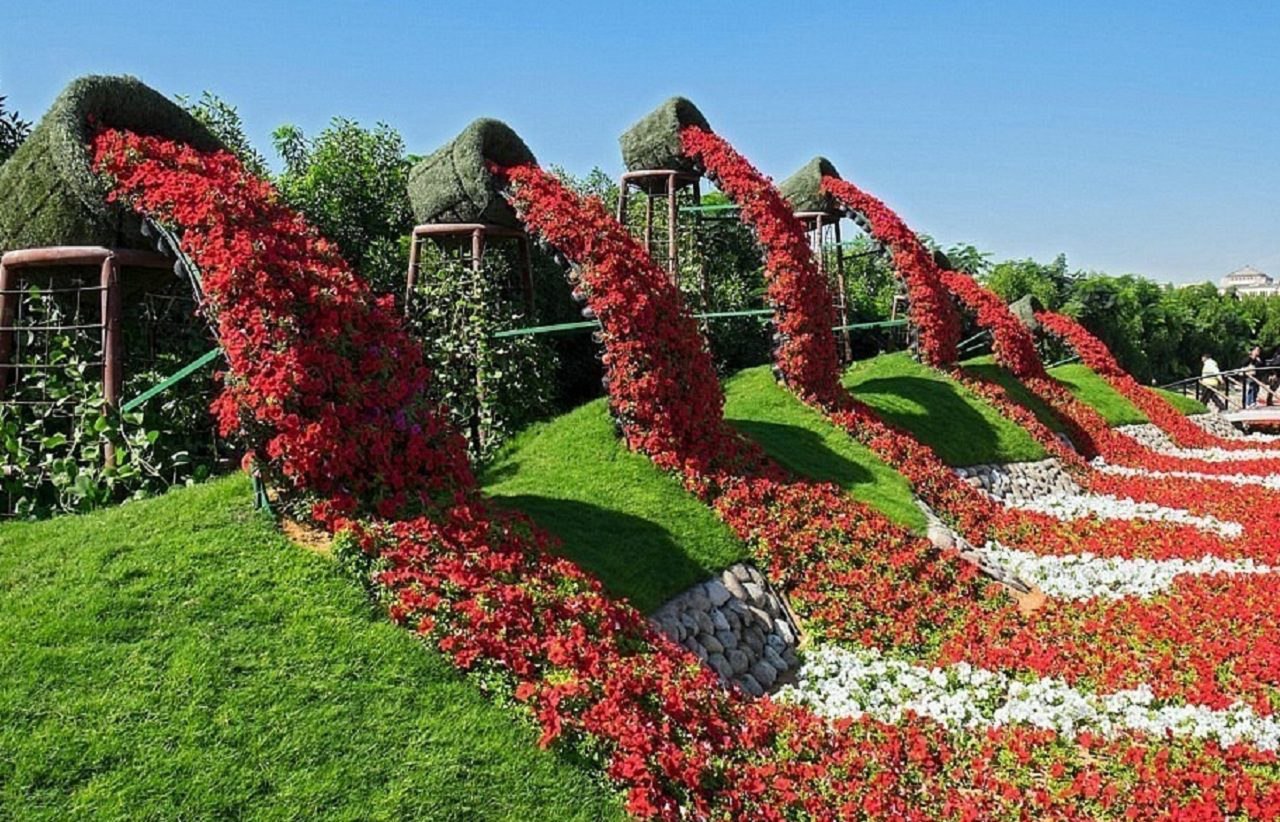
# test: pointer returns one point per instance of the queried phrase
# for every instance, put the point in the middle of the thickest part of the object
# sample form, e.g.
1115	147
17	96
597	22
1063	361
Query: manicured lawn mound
620	518
802	440
178	658
1185	404
961	427
1093	390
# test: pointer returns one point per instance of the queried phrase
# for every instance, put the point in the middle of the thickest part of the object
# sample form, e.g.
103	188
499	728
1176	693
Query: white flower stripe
1085	576
836	682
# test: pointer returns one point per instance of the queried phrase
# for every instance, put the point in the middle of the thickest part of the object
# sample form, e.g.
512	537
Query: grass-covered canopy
49	194
453	185
654	142
803	189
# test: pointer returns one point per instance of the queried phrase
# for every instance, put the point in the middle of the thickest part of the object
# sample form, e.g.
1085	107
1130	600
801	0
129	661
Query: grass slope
961	427
803	441
987	367
1093	390
177	658
619	517
1185	404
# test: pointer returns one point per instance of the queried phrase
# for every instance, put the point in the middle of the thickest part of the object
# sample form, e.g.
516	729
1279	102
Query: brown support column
673	248
8	315
648	221
843	298
623	187
411	276
111	365
526	273
477	250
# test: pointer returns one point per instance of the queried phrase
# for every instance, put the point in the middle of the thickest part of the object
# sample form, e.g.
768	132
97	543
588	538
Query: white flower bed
1107	506
1266	481
1085	576
837	681
1222	454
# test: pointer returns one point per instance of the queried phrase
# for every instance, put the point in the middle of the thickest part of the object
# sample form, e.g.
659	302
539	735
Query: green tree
1014	279
351	183
13	130
223	119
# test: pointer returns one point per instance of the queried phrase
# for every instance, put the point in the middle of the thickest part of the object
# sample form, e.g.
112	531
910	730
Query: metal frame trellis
109	261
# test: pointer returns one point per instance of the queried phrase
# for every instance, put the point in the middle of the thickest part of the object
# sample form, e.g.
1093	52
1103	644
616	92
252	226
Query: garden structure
87	289
456	209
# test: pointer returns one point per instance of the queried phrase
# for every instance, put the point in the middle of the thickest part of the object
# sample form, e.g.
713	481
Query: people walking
1251	382
1211	382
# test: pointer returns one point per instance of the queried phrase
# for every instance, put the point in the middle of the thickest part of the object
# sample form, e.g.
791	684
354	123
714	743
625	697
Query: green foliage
1187	405
55	425
960	426
619	517
803	441
491	386
1014	279
803	189
49	194
178	659
223	121
13	130
350	182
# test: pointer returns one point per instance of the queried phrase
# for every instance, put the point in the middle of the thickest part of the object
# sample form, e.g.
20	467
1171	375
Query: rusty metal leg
673	214
411	276
111	365
623	187
526	274
842	297
477	250
8	314
648	222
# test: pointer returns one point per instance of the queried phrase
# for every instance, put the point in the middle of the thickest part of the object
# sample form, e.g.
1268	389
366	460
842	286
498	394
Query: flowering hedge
931	309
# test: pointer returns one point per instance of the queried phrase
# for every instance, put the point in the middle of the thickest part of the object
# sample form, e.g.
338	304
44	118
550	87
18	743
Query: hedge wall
452	185
803	190
654	142
48	192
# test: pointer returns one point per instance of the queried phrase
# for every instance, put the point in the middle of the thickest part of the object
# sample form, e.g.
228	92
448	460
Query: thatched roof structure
454	185
803	190
49	194
654	141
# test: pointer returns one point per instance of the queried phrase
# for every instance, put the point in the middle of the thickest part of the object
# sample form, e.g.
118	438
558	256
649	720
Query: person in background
1273	377
1251	382
1211	382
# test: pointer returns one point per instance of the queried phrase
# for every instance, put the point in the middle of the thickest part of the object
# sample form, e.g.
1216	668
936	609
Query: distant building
1249	282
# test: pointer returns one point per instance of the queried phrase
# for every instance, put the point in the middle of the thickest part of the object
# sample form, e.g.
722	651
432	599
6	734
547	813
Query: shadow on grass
1018	392
804	453
936	413
634	557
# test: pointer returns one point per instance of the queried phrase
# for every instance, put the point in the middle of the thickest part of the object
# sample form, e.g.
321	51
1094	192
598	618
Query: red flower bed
312	357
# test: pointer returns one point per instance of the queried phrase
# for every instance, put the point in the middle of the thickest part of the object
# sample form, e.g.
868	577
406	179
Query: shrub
492	386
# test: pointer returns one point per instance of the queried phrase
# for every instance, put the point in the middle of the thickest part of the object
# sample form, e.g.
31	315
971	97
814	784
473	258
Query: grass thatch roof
453	185
49	194
654	142
803	190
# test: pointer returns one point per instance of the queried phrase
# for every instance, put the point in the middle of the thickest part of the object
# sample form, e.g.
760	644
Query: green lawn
178	658
621	518
1185	404
1094	391
803	441
961	427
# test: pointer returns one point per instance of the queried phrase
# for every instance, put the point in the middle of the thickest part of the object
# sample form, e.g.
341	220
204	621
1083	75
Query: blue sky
1139	137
